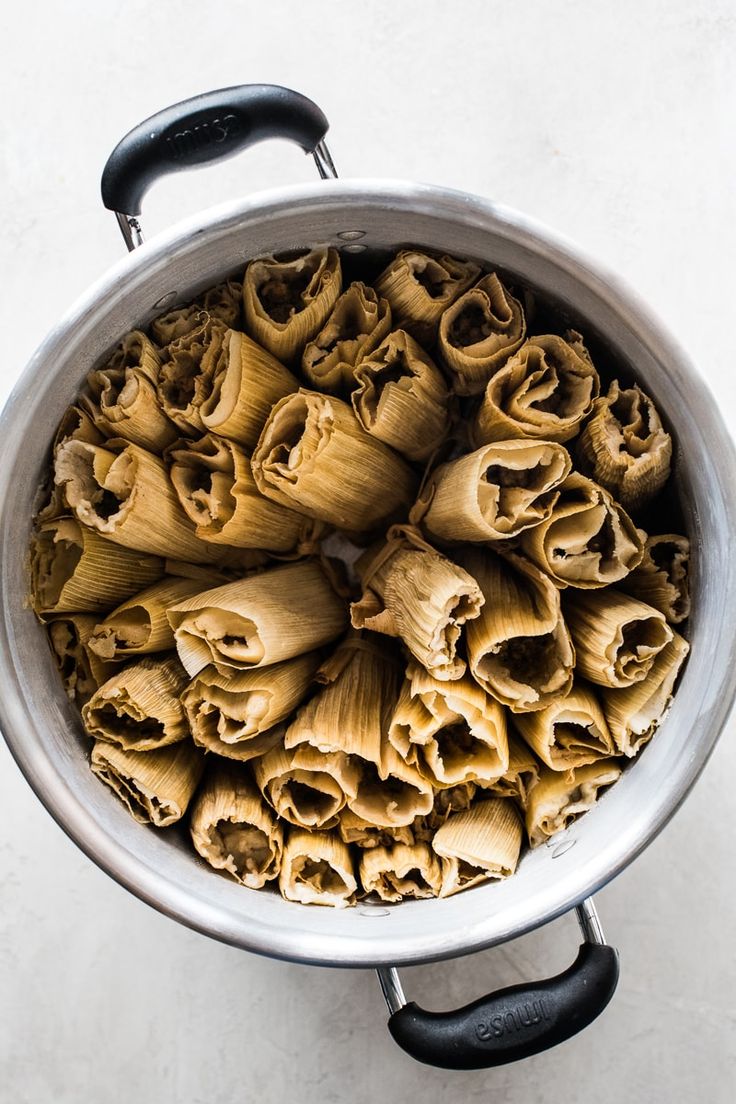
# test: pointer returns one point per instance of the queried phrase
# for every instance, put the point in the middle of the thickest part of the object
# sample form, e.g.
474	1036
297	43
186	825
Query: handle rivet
351	235
165	300
356	248
561	848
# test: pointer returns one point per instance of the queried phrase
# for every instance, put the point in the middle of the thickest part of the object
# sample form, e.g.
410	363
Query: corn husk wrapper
661	579
244	385
287	302
412	592
234	830
481	843
522	775
359	322
545	390
588	541
625	447
353	829
560	797
82	672
262	619
185	378
214	483
237	563
121	396
494	493
228	711
125	494
617	638
479	333
401	871
569	733
155	786
634	714
317	869
74	569
138	708
393	794
452	731
451	799
139	625
401	397
307	787
314	457
419	288
221	303
519	648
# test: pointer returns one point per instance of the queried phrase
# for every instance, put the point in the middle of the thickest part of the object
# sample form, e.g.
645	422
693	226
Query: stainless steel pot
44	733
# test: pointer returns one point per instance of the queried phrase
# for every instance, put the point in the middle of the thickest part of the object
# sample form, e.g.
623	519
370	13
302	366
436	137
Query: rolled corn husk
121	396
617	638
479	332
139	625
244	384
138	708
185	378
519	648
569	733
81	670
481	843
359	321
277	614
214	483
317	869
588	541
452	731
625	447
412	592
393	794
419	288
545	390
522	775
73	569
228	711
77	425
353	829
401	397
221	303
401	871
634	714
314	457
560	797
451	799
494	493
287	302
155	786
307	787
661	579
234	830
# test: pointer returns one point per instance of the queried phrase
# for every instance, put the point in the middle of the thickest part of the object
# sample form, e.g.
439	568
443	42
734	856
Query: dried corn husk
625	447
634	714
314	457
545	390
522	775
185	378
287	302
222	303
244	384
358	323
452	799
77	425
305	786
393	794
138	708
400	871
82	672
234	830
479	332
452	731
155	786
493	493
401	397
519	649
353	829
560	797
588	541
213	481
75	569
262	619
661	579
317	870
419	288
569	733
412	592
482	842
617	638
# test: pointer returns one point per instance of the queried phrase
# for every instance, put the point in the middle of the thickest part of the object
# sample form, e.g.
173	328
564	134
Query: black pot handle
207	128
512	1023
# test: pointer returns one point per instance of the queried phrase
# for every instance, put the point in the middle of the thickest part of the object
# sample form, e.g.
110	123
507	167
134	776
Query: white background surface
614	124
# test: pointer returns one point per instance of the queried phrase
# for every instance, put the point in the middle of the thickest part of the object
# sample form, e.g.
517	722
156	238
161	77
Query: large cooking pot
44	732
